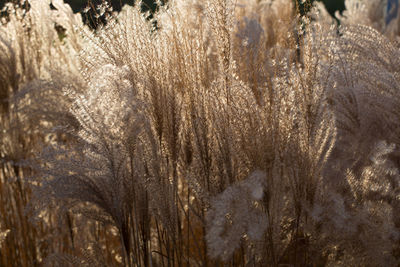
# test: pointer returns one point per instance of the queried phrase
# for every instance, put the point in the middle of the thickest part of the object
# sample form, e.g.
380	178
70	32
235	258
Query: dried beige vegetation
236	133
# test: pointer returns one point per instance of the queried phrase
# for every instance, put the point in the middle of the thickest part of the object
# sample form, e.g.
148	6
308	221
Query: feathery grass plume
265	31
226	133
297	131
364	101
32	53
226	225
36	42
152	174
102	167
223	113
31	50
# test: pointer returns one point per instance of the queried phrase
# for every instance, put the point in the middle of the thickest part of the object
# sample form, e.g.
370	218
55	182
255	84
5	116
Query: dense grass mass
214	133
